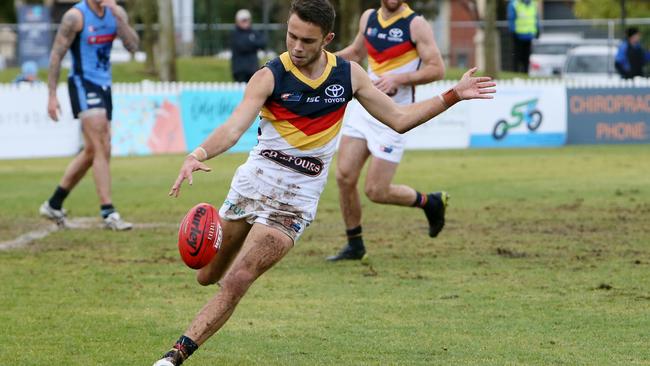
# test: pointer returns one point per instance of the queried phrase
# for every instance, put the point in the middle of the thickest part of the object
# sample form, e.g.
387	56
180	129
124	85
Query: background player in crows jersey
300	96
88	30
401	53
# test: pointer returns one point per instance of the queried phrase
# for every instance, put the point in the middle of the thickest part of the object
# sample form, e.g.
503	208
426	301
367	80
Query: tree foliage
595	9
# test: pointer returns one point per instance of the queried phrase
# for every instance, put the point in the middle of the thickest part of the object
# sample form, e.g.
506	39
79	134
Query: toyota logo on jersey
334	91
335	94
395	33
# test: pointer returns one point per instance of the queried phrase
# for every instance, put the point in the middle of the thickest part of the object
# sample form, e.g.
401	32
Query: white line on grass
79	223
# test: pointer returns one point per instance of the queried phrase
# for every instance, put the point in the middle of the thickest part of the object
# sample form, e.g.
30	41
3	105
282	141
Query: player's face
305	41
392	5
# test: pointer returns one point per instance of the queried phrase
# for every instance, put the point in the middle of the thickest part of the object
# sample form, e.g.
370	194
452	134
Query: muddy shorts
244	201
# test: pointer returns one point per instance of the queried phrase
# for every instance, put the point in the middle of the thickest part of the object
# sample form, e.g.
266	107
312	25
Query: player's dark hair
631	31
319	12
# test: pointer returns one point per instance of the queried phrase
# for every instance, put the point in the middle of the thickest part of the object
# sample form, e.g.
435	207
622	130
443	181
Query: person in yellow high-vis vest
523	20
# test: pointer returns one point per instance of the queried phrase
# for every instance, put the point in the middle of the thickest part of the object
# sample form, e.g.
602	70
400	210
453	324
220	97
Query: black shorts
85	95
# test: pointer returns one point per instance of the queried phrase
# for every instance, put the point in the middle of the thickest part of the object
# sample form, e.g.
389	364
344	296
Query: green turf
208	69
544	261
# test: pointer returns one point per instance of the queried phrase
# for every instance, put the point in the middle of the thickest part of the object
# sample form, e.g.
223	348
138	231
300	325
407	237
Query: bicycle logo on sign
522	112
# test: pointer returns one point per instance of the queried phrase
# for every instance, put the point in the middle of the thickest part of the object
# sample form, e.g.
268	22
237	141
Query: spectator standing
523	22
244	43
631	57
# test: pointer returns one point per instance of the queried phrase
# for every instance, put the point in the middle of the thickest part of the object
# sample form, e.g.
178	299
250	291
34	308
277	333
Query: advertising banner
203	111
450	130
608	115
520	116
26	131
147	124
34	36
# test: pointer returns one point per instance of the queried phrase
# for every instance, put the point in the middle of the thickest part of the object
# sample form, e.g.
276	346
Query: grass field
545	260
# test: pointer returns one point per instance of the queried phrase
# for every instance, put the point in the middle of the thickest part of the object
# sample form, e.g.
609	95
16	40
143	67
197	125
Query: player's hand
470	87
111	4
53	108
189	165
387	84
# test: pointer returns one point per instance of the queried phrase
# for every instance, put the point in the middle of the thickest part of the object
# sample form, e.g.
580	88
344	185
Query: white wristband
200	154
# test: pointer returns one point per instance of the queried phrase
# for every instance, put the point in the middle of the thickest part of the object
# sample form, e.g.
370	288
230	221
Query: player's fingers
486	85
177	185
487	91
204	168
483	79
470	72
189	179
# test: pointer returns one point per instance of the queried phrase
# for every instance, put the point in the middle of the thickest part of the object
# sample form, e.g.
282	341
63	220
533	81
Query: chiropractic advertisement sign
608	115
520	116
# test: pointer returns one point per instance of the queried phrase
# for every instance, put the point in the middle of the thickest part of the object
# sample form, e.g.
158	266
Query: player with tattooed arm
88	30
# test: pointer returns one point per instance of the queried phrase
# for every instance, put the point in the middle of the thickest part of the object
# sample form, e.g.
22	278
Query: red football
199	236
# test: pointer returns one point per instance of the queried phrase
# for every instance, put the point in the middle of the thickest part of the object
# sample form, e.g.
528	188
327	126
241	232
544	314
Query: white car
549	53
591	62
119	53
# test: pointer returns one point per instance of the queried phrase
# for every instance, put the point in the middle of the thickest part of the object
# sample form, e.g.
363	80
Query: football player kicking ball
301	97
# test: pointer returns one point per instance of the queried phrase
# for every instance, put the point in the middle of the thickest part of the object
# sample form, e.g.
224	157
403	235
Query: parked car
119	53
590	62
549	53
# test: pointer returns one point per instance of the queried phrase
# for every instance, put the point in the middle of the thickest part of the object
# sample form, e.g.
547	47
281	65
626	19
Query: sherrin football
199	236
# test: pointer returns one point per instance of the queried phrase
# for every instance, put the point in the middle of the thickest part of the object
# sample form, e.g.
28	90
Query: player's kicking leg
264	247
234	234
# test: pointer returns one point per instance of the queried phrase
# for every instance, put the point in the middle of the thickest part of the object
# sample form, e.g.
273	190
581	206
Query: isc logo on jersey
334	93
395	35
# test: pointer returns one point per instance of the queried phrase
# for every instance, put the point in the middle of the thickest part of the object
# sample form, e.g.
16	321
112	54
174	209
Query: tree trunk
489	45
348	17
148	9
167	41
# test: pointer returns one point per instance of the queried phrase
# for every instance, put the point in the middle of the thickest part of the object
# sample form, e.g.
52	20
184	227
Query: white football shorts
383	142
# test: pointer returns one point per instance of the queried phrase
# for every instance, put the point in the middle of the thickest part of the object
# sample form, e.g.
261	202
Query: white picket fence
26	130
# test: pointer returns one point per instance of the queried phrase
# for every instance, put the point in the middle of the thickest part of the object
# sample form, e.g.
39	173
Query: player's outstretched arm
225	136
403	118
71	24
126	33
356	51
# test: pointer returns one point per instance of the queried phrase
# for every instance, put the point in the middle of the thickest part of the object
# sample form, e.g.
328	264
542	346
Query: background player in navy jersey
402	53
88	30
300	96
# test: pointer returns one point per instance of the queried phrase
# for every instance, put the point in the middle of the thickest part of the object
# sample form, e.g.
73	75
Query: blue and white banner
520	116
203	111
26	131
34	35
